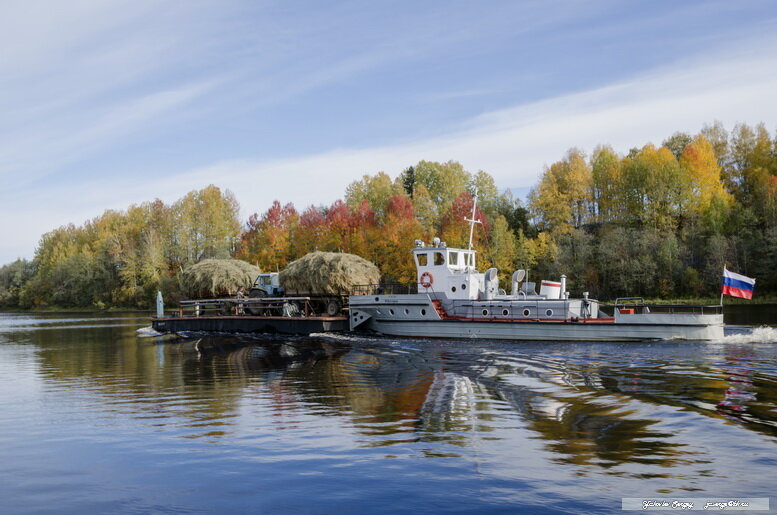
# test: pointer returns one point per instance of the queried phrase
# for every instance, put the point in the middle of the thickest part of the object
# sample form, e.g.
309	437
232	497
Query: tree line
659	221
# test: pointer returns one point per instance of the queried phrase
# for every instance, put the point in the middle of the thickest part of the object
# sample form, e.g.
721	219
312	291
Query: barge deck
249	324
287	315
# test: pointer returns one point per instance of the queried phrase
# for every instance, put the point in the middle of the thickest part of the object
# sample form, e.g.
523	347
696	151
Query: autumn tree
393	242
269	239
656	190
207	224
444	181
709	198
677	142
607	189
562	199
500	250
13	278
373	189
455	228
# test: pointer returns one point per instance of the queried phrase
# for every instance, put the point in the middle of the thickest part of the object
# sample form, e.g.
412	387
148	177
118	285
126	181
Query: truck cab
267	285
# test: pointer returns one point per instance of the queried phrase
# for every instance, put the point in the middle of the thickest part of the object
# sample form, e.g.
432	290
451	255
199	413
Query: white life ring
427	280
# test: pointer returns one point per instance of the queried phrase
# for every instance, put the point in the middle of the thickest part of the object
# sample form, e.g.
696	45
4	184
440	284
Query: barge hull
250	324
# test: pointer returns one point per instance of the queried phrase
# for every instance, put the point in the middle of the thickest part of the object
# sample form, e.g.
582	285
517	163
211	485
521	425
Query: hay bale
217	277
328	273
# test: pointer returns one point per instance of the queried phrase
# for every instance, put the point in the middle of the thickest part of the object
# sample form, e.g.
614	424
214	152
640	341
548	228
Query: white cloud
512	144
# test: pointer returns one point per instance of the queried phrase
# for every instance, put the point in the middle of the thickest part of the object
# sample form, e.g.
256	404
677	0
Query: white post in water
472	220
160	305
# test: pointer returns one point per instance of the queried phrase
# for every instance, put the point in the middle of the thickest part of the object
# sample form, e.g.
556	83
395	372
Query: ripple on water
334	422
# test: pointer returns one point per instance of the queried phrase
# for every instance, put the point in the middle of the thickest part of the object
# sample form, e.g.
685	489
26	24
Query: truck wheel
333	308
254	309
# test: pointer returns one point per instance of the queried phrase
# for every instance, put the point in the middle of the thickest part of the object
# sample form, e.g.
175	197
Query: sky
108	103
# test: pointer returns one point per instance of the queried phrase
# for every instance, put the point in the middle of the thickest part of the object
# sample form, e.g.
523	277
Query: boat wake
763	334
148	332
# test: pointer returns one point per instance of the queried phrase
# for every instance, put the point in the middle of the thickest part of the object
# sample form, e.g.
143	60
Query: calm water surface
98	418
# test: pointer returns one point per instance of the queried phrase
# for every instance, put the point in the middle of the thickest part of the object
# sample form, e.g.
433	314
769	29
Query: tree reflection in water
593	411
395	397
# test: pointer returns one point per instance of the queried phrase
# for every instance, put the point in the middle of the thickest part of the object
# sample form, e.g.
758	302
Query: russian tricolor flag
737	285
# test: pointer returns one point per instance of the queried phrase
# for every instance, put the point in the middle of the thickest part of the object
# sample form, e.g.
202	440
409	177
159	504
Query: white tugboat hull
416	315
546	331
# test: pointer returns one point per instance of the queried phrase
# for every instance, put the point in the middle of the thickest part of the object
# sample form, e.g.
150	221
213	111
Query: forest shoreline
661	222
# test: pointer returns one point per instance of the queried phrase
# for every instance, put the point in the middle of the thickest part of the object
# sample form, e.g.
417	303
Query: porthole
463	286
549	312
485	312
377	299
407	311
453	289
391	312
505	312
526	312
423	312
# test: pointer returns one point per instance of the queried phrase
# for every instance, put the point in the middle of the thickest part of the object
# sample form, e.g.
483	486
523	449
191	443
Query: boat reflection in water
595	414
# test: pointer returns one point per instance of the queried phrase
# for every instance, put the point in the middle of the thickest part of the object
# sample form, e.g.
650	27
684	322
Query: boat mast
472	220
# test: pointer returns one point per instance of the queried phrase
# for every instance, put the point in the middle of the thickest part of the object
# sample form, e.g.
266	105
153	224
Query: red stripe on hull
737	292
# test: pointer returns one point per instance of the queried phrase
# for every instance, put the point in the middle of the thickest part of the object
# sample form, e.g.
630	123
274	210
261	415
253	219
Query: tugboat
454	300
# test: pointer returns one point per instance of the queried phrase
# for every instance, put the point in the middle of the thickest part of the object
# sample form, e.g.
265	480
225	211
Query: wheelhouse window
439	258
422	259
453	258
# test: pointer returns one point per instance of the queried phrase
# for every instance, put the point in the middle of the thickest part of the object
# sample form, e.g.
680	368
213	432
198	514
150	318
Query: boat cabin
451	271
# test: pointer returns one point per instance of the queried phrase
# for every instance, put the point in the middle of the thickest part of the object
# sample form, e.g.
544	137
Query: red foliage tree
455	228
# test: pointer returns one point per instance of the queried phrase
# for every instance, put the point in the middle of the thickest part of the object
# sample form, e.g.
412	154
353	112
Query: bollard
160	305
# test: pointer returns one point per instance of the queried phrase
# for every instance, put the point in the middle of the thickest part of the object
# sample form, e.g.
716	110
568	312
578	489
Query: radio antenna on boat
472	220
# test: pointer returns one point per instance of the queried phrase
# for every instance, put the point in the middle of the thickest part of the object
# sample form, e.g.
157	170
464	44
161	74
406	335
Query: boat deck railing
637	305
236	306
385	289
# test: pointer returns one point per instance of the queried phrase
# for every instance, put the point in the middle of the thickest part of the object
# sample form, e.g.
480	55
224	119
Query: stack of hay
328	273
217	277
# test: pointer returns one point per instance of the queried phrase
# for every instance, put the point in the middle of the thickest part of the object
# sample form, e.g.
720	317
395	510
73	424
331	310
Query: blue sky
106	103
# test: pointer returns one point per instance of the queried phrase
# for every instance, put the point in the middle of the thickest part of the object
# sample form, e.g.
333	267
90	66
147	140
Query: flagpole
721	288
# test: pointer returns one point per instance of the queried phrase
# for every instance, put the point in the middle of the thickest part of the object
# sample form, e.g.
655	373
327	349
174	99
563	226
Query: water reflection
686	415
589	409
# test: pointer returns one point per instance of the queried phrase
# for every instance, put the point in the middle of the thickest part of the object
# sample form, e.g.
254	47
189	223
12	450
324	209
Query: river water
98	417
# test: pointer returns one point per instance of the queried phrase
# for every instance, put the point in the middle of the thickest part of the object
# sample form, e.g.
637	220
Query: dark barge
287	315
249	324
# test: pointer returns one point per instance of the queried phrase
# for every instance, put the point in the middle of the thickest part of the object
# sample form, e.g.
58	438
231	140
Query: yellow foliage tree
700	163
563	197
